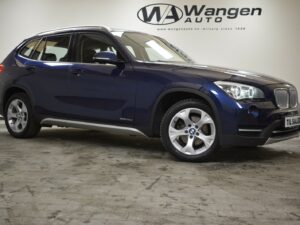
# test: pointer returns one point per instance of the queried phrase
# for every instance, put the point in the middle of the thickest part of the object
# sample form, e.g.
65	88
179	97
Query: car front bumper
271	134
267	128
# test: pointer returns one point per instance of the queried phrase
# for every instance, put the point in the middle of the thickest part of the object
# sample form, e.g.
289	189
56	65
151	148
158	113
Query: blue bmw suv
102	79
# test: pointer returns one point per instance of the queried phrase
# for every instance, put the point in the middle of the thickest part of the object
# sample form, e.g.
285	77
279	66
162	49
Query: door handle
77	72
30	68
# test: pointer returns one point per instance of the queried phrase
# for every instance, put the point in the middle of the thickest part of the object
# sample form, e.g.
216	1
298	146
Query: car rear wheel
189	130
19	117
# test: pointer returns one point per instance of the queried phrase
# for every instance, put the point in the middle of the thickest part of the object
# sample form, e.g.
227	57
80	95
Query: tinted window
90	44
28	48
37	55
56	48
146	47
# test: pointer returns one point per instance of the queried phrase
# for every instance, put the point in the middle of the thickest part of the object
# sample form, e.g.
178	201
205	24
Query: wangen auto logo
160	14
164	14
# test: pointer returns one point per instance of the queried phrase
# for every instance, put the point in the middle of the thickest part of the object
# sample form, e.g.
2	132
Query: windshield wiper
165	61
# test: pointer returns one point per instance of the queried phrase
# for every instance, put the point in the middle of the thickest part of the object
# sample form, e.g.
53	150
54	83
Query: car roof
79	28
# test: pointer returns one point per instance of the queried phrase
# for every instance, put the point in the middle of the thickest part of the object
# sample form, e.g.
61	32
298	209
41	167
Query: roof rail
75	28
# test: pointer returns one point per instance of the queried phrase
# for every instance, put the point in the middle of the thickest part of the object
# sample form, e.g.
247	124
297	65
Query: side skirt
90	126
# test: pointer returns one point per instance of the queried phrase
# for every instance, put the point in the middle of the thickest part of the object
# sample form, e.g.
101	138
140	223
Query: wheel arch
13	90
171	97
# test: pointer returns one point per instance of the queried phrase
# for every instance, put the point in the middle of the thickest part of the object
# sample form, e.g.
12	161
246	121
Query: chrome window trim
66	63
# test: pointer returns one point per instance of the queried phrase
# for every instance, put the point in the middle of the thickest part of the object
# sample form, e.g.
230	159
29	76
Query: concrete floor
69	176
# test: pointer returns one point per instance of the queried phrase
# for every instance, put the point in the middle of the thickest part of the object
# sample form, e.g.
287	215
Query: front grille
286	98
293	98
282	98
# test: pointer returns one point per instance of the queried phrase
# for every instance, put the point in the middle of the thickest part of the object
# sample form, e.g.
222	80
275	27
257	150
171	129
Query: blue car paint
128	94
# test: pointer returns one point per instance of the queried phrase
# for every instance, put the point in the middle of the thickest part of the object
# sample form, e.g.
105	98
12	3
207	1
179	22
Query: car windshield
145	47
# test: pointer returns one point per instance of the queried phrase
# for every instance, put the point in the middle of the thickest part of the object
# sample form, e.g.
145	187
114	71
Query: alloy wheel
192	131
17	115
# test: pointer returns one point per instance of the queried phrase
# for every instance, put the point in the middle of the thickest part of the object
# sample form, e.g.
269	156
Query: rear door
48	74
101	92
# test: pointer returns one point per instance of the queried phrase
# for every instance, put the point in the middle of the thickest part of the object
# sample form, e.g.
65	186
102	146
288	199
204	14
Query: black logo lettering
164	14
194	10
160	14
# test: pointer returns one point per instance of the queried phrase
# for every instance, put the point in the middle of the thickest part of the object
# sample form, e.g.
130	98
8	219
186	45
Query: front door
103	93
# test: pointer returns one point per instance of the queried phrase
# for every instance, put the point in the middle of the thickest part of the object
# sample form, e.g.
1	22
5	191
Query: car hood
215	73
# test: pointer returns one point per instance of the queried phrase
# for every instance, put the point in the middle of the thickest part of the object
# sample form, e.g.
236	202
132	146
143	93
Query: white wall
270	43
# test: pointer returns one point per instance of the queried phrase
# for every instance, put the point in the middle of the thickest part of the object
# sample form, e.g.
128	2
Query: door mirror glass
106	57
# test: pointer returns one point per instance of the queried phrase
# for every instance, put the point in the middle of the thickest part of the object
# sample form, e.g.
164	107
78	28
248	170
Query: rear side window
55	49
37	55
28	48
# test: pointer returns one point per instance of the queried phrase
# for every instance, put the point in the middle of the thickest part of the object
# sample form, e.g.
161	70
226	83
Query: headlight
240	91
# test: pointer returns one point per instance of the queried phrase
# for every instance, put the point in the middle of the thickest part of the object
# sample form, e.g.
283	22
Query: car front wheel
189	130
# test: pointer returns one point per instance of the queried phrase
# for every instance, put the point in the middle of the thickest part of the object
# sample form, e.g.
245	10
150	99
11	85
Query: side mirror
106	57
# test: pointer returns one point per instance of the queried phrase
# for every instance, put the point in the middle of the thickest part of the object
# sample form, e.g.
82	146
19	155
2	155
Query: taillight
1	68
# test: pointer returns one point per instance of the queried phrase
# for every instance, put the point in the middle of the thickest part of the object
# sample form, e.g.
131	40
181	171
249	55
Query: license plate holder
291	121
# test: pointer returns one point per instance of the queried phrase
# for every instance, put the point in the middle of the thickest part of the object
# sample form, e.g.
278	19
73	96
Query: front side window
145	47
28	48
89	44
55	48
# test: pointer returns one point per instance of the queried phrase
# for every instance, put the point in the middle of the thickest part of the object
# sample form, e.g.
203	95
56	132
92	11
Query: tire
189	131
19	117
